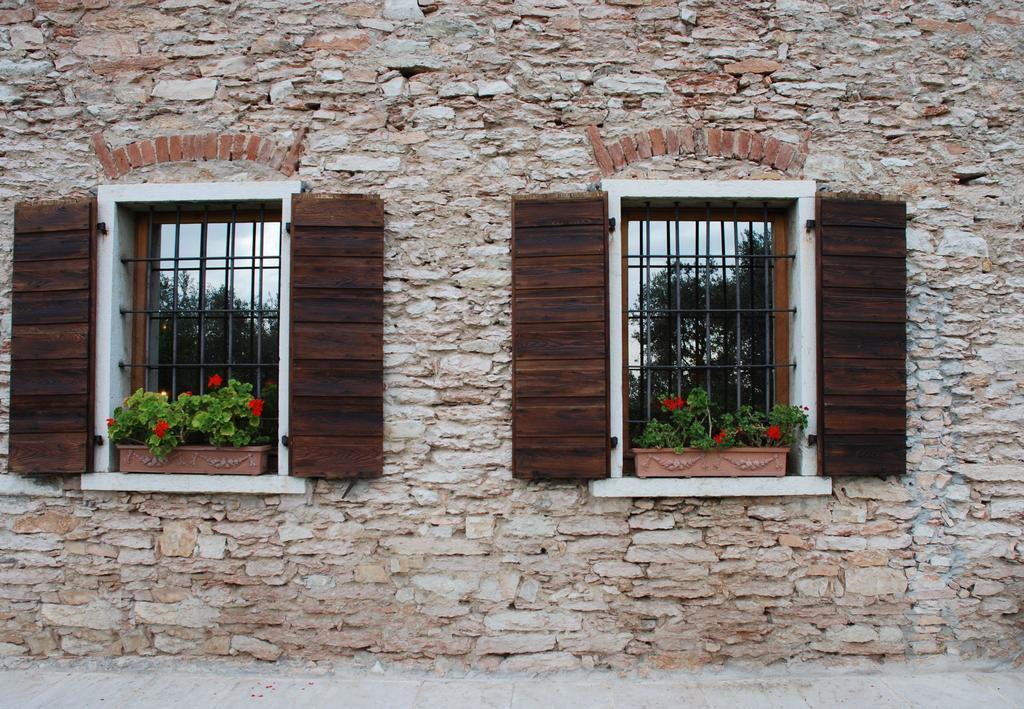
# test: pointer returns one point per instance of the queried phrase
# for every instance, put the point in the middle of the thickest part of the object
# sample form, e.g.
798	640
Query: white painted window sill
712	487
209	484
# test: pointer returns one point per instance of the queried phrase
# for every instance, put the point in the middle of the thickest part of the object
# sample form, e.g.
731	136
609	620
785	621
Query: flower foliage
227	416
693	422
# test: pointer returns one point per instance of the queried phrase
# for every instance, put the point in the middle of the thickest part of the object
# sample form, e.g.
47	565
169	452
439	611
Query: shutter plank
561	458
336	413
560	337
862	313
51	346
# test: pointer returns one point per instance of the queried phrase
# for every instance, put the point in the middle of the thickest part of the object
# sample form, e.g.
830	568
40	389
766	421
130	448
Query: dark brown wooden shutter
560	336
336	421
862	307
51	337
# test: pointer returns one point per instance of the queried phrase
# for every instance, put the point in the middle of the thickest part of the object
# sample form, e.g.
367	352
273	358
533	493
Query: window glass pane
700	300
205	297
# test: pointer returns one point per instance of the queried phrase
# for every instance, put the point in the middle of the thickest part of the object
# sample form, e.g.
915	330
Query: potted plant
214	433
694	441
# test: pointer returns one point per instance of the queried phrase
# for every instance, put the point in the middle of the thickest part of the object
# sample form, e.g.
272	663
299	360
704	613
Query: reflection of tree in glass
248	333
691	288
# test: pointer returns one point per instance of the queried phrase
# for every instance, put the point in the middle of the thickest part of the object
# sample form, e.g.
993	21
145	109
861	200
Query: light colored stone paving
52	686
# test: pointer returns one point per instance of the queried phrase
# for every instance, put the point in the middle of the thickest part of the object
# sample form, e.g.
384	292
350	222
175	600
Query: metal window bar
203	234
174	301
259	340
647	295
229	289
768	318
739	310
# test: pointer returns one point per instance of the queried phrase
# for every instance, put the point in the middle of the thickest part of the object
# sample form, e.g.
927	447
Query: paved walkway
55	686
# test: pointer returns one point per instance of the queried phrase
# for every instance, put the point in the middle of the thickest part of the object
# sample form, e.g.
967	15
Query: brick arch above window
696	140
200	147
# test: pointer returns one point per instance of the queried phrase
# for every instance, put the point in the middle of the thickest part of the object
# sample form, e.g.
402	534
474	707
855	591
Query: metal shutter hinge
615	441
812	440
288	227
810	225
611	224
284	441
101	227
98	440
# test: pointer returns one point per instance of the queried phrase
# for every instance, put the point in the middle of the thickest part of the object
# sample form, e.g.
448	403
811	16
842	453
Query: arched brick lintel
120	161
697	140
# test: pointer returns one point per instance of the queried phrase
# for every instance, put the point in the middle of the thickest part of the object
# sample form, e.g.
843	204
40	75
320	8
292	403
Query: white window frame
798	198
114	288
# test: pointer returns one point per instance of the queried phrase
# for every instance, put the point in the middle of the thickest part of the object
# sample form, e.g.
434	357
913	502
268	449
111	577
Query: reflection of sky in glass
242	272
691	242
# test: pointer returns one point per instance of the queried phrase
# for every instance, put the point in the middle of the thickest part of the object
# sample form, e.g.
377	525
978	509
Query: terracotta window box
723	463
208	460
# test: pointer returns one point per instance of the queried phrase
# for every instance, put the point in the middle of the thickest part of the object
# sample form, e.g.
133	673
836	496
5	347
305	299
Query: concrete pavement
180	686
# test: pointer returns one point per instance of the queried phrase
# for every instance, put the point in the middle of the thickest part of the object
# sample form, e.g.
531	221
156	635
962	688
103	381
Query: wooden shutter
51	344
862	307
336	417
560	336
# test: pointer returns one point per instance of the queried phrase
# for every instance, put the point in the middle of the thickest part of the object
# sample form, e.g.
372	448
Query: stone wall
446	112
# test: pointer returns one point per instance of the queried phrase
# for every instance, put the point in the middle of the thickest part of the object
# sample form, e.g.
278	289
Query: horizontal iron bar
207	365
683	257
653	312
638	368
178	312
151	259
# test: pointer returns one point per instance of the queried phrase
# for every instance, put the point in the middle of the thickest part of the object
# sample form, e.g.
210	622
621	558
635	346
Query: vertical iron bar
648	325
739	316
259	316
202	300
174	304
707	299
695	342
229	288
725	304
750	265
679	322
152	283
252	302
767	314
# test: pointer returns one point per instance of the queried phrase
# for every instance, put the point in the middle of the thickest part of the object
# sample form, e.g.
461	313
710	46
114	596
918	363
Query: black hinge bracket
611	224
615	441
98	440
284	441
812	440
810	225
101	228
288	227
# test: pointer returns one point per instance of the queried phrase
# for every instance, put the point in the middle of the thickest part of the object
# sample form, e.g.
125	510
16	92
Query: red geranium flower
110	422
774	433
673	402
161	428
214	381
720	436
256	406
184	393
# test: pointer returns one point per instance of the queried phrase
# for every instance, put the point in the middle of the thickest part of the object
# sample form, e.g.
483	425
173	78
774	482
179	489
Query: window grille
208	282
706	306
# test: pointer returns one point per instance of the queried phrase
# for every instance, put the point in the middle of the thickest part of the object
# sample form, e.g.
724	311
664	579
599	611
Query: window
162	286
706	305
190	279
712	283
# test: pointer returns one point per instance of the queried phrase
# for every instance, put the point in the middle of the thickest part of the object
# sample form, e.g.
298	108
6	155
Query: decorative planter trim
210	460
723	463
